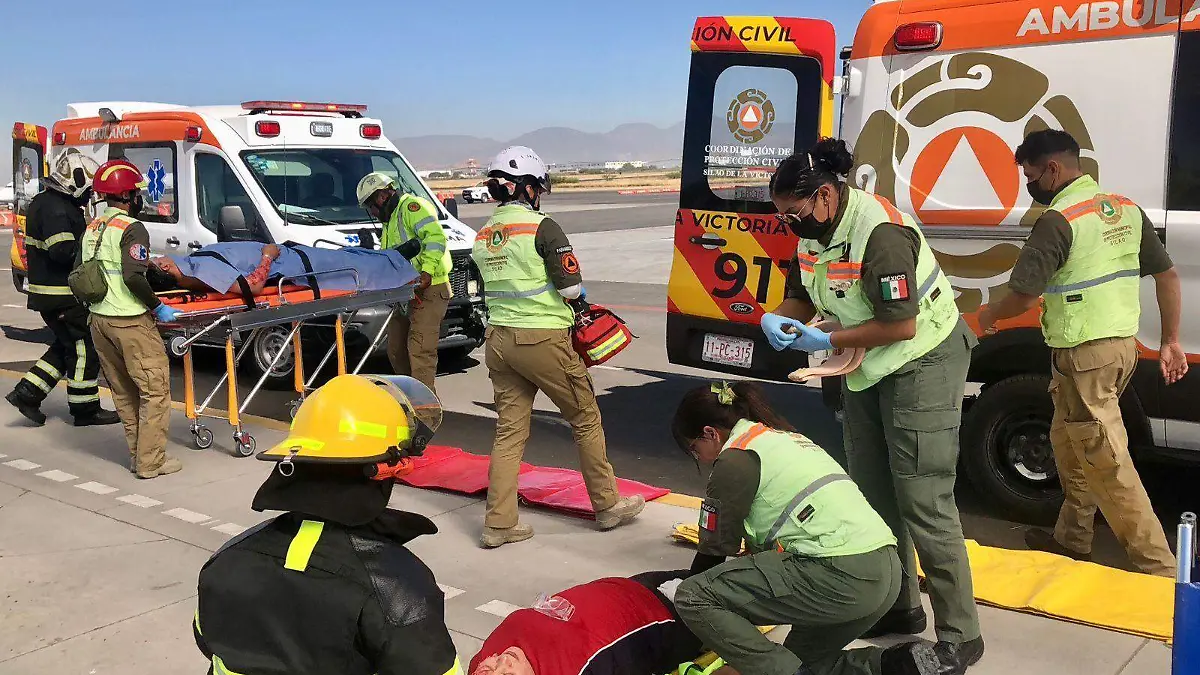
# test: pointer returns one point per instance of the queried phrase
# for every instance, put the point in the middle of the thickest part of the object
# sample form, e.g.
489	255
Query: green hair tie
724	392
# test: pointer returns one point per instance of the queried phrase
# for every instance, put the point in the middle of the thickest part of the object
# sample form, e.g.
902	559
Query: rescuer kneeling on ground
329	586
821	559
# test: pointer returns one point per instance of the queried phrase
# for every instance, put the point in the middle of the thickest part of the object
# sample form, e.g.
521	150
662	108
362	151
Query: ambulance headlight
472	287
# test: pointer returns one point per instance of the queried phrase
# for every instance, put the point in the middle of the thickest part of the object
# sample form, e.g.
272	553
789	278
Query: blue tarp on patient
377	270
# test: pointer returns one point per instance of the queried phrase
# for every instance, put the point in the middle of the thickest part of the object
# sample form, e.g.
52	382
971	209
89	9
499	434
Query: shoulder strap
100	233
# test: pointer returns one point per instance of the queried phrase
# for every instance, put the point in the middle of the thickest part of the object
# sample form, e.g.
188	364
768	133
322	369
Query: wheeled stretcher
216	316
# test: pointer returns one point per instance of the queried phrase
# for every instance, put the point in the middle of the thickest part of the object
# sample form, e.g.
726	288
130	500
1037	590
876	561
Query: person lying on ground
224	267
612	626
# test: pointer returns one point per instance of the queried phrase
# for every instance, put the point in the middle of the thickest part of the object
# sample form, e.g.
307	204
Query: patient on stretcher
248	267
613	626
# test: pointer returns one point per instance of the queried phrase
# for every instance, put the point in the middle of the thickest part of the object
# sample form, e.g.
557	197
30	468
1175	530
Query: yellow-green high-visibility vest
1095	293
516	287
805	504
833	277
119	301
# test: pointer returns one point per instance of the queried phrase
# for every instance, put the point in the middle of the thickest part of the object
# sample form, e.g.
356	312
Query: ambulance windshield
317	185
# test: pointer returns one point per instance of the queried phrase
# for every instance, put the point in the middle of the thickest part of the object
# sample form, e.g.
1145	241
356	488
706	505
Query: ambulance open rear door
760	88
29	170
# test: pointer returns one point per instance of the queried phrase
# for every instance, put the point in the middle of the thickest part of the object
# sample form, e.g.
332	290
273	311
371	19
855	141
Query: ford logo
741	308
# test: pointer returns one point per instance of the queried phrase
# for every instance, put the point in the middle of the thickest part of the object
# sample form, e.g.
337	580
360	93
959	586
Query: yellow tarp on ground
1053	586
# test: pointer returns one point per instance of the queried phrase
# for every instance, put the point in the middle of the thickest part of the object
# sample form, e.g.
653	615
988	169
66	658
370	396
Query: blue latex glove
812	340
773	325
165	314
582	293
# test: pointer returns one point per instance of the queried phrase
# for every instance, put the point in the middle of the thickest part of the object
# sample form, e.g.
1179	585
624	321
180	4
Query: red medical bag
599	334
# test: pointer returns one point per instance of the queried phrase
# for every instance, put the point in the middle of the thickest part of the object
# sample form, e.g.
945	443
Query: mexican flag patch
894	287
708	517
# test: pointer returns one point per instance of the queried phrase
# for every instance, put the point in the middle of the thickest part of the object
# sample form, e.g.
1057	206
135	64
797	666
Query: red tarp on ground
458	471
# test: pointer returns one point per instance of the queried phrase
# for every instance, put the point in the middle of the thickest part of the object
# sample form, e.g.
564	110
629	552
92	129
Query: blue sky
493	69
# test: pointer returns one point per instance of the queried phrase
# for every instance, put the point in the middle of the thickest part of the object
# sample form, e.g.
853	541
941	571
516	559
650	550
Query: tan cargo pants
521	362
1091	450
135	365
413	337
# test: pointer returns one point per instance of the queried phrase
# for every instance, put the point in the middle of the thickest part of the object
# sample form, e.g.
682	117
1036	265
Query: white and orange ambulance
269	171
935	95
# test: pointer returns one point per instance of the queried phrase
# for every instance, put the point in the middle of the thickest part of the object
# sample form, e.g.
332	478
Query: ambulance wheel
203	437
1006	451
245	445
258	359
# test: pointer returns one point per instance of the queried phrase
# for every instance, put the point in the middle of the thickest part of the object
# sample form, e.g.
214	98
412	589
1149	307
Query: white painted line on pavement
450	591
498	608
58	476
187	516
231	529
602	367
23	465
98	488
15	306
139	500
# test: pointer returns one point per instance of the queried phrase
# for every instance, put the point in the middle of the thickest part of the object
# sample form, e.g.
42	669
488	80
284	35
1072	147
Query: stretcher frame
227	322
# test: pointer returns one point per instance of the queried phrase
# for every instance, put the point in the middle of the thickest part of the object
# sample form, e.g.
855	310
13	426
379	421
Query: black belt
247	294
312	279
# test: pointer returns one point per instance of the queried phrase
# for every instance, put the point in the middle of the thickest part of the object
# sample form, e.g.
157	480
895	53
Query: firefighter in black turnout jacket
54	226
329	586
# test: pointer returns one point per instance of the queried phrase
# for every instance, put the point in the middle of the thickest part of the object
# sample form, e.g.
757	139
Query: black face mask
1040	194
389	207
808	227
135	205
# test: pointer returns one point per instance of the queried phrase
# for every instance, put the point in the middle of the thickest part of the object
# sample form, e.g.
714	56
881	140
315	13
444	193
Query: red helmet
117	177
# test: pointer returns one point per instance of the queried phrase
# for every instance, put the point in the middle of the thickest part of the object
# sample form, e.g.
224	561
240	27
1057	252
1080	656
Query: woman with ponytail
865	264
819	558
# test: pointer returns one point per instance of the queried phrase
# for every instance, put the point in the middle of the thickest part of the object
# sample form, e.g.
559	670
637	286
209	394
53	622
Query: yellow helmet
361	419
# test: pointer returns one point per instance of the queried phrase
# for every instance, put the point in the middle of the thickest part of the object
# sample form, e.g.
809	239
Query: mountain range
556	145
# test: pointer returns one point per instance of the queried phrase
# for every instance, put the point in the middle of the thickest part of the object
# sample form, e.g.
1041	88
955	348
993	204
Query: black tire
1006	450
258	358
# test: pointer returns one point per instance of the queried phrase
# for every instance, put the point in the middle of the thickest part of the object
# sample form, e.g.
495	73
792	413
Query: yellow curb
669	499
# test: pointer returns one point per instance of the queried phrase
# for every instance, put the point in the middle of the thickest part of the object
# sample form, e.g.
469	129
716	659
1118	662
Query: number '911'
732	269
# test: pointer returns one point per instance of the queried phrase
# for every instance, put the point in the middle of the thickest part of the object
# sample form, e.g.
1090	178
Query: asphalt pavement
624	267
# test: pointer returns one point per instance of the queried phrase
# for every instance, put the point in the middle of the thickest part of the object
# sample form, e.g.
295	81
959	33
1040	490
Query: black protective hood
338	493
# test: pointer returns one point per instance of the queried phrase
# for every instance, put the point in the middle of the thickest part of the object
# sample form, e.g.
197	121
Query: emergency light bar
346	109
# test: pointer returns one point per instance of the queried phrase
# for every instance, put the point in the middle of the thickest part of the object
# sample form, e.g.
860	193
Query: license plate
728	351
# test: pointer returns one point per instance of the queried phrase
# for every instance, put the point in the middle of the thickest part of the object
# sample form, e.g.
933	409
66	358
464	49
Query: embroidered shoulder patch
894	287
414	207
138	252
708	517
570	263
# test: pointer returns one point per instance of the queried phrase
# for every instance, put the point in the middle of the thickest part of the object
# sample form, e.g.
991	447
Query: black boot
956	657
1041	540
32	411
899	622
98	418
910	658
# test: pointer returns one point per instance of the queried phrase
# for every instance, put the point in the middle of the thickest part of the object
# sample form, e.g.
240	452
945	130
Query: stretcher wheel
245	445
203	437
177	347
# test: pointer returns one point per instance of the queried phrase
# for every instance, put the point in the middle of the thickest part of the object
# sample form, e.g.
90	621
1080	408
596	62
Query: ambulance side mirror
451	205
232	224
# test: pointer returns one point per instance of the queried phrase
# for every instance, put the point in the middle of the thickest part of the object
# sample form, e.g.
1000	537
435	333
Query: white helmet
372	183
517	162
72	173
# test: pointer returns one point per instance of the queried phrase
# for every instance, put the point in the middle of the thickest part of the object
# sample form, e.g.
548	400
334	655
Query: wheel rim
267	346
1024	453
